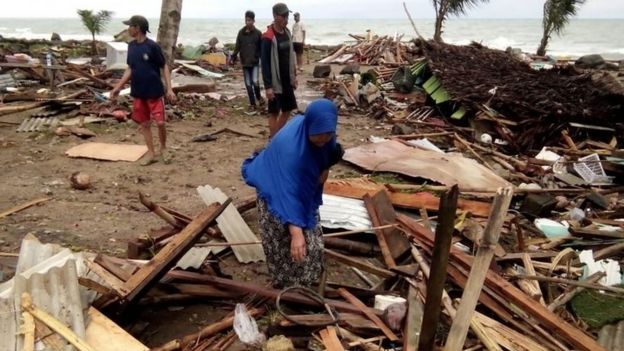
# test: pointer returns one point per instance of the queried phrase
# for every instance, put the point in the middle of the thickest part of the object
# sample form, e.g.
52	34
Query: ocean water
582	36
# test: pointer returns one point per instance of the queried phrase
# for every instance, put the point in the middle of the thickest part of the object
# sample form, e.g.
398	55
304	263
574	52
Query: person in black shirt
278	69
145	64
248	45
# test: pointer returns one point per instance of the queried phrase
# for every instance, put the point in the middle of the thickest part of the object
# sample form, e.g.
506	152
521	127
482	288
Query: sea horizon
582	36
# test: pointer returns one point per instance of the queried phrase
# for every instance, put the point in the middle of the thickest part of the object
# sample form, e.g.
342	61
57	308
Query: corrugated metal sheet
611	337
233	227
341	212
193	258
49	273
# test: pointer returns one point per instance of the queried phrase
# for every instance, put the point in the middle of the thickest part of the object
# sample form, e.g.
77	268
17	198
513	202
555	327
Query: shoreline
86	43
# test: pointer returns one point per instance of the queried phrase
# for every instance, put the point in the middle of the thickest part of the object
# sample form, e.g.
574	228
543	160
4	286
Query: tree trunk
437	36
170	16
93	45
541	50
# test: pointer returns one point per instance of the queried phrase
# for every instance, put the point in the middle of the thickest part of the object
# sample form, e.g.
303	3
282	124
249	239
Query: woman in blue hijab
288	176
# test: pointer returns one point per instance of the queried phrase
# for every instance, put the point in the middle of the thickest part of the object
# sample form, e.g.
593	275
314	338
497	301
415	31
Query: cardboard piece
108	152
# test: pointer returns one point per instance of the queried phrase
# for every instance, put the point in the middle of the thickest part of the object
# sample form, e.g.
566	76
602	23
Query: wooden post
435	284
480	267
159	265
54	324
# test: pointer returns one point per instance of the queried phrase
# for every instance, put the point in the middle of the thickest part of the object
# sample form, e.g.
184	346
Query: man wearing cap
278	69
145	63
248	45
298	34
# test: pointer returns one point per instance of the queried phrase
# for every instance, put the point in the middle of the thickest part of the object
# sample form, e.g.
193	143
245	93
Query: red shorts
144	110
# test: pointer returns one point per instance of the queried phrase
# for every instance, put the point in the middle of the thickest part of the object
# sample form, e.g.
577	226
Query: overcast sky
308	8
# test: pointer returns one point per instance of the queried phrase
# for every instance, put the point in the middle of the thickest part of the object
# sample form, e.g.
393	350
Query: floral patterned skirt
276	244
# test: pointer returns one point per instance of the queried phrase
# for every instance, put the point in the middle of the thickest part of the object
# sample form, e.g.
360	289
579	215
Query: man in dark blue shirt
145	63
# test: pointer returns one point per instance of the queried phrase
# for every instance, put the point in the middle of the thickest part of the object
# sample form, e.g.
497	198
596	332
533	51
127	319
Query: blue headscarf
286	174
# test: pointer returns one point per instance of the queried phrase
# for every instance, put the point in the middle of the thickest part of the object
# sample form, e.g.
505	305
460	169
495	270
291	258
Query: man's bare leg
282	119
162	137
300	61
273	120
149	142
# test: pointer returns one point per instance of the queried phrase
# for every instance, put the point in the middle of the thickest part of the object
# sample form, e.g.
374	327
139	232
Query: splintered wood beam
373	317
28	330
54	324
330	339
507	291
23	207
243	287
167	257
485	254
437	277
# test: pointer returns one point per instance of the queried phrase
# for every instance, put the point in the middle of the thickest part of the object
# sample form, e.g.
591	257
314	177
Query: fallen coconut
80	181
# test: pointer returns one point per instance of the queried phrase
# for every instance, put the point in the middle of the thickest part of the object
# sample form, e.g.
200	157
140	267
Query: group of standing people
290	172
279	52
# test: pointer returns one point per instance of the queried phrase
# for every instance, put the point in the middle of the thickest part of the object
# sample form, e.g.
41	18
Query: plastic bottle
576	214
49	59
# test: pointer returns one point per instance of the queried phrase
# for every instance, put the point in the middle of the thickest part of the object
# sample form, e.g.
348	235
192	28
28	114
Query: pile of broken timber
413	262
379	50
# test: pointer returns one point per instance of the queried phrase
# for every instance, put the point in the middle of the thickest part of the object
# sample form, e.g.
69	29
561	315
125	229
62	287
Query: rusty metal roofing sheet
233	227
448	169
341	212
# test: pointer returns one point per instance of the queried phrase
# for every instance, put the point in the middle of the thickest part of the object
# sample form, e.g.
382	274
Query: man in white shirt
298	35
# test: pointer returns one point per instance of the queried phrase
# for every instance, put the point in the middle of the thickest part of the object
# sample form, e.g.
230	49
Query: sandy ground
105	217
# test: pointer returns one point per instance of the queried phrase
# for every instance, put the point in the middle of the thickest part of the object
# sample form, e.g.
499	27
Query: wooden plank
381	236
485	254
412	201
330	339
439	261
359	304
239	286
110	266
353	320
203	290
530	269
108	336
95	286
413	321
397	242
50	339
509	338
27	329
166	258
23	206
367	267
115	283
54	324
494	281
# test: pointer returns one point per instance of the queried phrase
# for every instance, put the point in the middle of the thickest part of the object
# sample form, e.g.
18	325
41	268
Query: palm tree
444	8
557	14
168	28
95	23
